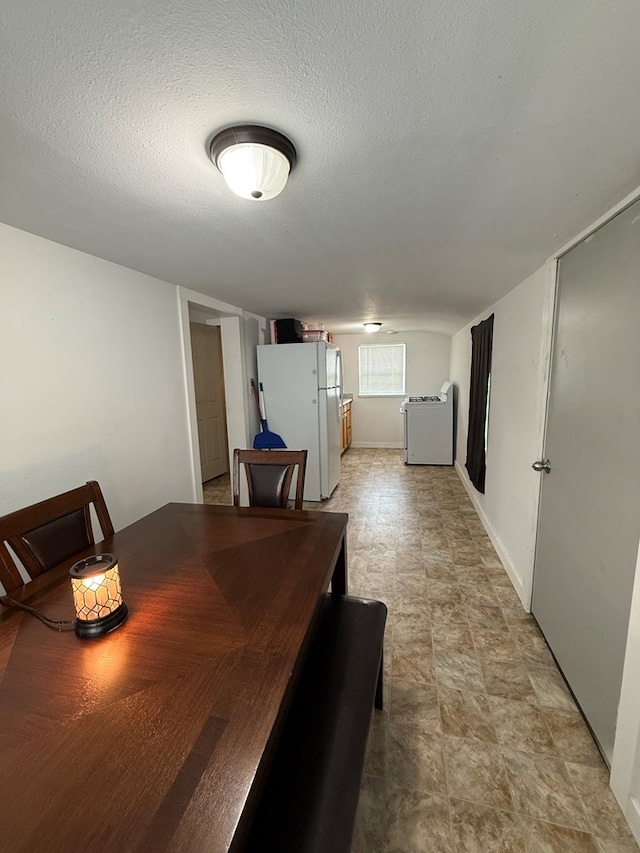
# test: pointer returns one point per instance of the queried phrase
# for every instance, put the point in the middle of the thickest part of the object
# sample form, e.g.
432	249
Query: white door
330	373
330	444
206	347
588	523
328	366
289	373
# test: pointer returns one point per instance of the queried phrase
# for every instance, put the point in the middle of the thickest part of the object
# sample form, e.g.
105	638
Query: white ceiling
445	148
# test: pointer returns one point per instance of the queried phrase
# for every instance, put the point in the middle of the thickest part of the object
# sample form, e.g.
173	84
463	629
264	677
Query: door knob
543	465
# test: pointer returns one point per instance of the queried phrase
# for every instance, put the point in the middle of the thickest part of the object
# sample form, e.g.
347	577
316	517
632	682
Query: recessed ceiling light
372	327
255	161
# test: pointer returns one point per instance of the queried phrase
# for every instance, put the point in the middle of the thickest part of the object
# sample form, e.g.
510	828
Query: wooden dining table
159	735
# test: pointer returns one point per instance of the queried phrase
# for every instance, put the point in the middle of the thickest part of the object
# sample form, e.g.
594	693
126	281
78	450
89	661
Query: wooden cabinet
345	434
347	421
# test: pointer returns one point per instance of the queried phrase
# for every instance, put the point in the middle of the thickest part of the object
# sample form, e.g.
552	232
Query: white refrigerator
303	397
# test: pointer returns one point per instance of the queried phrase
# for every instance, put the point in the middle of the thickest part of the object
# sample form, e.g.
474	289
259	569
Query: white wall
625	766
377	421
521	345
91	383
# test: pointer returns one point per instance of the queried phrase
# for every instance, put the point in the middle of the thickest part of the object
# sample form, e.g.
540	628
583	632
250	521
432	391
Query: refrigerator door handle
340	383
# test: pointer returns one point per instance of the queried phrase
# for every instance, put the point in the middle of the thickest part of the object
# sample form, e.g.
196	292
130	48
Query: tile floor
480	746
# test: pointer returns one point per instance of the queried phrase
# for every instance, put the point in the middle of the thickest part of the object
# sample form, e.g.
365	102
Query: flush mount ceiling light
255	161
372	327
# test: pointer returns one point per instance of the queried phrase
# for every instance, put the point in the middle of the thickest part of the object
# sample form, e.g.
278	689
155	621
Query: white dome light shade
254	171
372	327
255	161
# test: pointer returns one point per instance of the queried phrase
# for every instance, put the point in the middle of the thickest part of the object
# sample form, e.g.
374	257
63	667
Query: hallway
480	746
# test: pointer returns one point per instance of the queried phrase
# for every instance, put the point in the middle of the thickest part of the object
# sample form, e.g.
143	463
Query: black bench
311	795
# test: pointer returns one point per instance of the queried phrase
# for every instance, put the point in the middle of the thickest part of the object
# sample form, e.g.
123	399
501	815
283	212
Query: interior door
206	346
588	524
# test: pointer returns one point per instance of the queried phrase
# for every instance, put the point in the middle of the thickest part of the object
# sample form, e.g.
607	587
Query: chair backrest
269	476
48	533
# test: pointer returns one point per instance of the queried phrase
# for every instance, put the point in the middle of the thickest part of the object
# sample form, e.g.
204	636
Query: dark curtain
481	346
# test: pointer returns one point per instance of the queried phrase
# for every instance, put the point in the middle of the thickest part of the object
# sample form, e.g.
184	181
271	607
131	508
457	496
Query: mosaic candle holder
97	596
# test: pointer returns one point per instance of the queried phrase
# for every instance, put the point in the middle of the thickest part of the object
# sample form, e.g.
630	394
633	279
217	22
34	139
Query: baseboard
632	814
396	445
495	539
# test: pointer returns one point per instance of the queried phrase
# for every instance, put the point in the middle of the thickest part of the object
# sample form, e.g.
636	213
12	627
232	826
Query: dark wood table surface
157	736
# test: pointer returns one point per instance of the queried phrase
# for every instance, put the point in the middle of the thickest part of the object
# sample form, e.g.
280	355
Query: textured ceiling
445	149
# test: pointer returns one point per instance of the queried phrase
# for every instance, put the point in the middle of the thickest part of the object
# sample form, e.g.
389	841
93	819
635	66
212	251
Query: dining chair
49	532
269	476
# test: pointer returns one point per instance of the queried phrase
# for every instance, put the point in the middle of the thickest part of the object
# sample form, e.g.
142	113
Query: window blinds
382	369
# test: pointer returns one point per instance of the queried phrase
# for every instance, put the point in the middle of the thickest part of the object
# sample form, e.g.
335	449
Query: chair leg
378	699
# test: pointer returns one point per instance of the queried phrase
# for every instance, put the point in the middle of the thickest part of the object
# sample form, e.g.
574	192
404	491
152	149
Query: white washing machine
428	428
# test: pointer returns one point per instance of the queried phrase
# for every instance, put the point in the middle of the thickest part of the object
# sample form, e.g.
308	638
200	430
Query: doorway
208	377
241	333
588	526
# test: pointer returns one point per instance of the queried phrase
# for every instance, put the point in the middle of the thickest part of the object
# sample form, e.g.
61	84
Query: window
381	369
